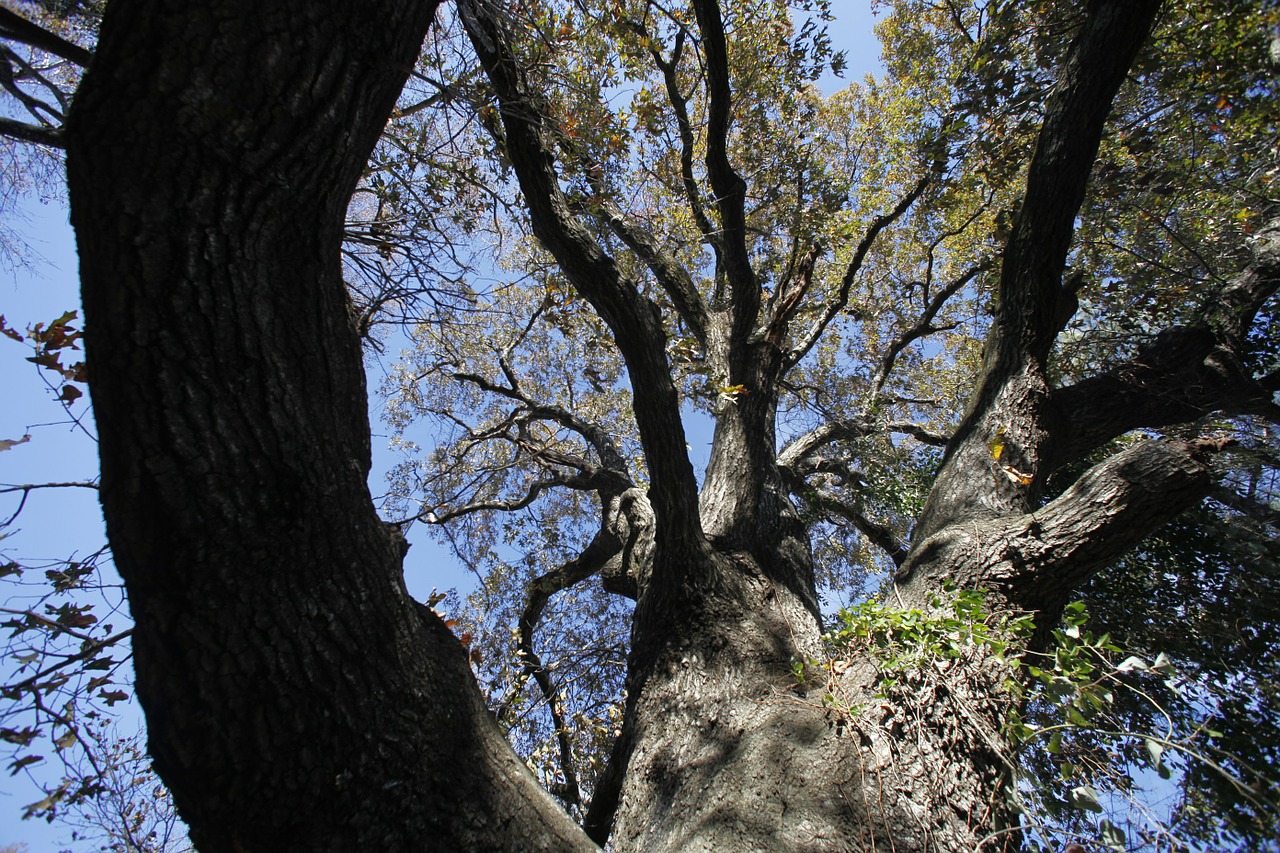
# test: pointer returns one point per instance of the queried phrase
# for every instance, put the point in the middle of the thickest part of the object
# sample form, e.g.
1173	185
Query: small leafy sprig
903	641
48	343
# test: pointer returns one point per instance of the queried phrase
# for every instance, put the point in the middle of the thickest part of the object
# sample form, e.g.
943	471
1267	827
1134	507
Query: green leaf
1085	797
1055	743
1112	836
1155	751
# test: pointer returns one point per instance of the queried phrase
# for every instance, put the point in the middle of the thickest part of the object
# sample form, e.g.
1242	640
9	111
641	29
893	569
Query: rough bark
1011	403
719	751
296	697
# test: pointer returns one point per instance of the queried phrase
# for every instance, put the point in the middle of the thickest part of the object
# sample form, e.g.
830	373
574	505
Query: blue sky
63	523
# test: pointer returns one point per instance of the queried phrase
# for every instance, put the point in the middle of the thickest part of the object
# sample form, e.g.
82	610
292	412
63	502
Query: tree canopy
691	355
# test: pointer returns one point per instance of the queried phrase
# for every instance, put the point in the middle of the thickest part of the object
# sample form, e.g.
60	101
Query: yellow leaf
997	444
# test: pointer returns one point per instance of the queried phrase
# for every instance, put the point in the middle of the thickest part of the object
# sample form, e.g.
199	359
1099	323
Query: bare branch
803	446
17	28
603	547
7	488
610	456
833	310
29	488
23	132
923	327
535	488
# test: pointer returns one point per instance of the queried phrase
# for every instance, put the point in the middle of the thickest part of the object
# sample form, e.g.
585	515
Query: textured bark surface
296	697
727	751
1012	401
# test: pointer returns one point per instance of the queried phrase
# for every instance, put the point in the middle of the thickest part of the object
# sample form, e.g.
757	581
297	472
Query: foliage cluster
1095	729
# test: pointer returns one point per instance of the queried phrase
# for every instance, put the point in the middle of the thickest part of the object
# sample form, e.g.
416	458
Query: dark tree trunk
296	697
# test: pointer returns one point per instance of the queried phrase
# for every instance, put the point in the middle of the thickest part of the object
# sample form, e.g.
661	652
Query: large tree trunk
726	750
723	751
296	697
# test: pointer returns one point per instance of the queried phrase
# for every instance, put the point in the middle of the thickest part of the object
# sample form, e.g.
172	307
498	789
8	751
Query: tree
297	698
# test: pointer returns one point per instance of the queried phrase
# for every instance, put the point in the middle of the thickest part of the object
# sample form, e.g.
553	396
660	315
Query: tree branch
1011	405
923	327
833	310
1037	559
670	274
1059	173
803	446
880	535
17	28
680	106
1182	374
90	647
635	322
536	488
23	132
603	547
598	437
729	187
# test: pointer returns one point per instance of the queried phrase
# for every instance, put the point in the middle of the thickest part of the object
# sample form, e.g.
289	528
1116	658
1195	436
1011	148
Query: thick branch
729	187
1036	560
1246	293
1182	374
680	105
1065	150
671	275
634	320
297	698
1011	406
23	132
17	28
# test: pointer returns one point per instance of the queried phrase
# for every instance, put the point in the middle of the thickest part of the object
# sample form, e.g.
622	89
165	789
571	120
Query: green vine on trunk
1062	699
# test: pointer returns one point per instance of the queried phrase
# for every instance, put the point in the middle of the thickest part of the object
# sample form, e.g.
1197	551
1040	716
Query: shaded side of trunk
728	749
296	697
